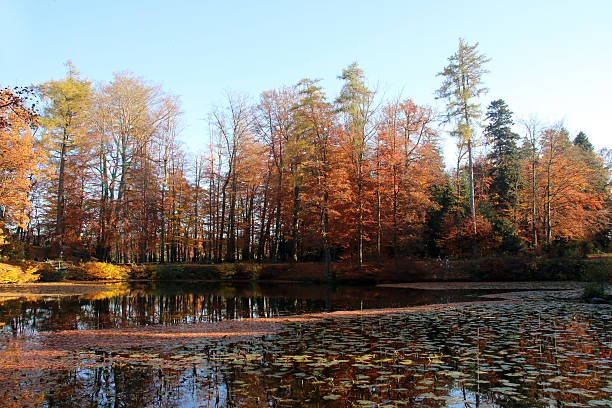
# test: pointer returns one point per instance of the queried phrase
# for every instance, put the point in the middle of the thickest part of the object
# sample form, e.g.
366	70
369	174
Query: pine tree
504	155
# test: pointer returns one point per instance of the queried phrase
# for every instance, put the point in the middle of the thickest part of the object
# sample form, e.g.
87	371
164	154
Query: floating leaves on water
523	354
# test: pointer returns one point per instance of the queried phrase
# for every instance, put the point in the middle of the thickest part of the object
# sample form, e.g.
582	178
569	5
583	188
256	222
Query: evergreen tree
504	155
583	142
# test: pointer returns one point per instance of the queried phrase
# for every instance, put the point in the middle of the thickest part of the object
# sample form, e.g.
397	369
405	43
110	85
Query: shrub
226	270
255	271
597	270
594	290
167	272
97	271
49	274
10	246
142	272
17	273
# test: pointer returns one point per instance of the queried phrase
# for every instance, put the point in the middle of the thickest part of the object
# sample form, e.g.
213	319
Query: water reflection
169	304
514	355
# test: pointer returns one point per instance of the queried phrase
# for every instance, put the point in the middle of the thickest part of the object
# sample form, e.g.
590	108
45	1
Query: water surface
171	303
529	354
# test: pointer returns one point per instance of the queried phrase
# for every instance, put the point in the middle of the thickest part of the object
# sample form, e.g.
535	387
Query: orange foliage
18	158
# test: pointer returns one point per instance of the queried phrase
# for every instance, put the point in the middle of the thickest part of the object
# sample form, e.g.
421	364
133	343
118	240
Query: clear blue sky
552	59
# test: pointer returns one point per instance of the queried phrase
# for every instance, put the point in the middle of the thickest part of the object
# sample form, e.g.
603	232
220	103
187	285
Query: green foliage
511	243
50	274
226	270
461	87
504	155
254	270
355	102
168	272
520	268
444	198
504	233
562	247
11	247
66	102
597	270
142	272
583	142
595	290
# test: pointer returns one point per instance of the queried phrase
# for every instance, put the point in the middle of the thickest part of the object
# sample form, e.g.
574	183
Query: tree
276	125
532	129
234	126
315	120
19	160
583	141
356	103
461	87
128	119
566	195
65	121
404	139
504	155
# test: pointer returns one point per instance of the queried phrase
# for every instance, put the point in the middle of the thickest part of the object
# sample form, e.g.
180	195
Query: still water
171	303
528	354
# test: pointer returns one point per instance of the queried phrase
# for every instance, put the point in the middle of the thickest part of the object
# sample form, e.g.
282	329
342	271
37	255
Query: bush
166	272
142	272
97	271
49	274
255	271
597	270
18	273
529	268
594	290
226	270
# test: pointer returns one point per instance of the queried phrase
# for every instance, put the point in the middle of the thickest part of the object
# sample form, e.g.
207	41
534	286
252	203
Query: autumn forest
98	170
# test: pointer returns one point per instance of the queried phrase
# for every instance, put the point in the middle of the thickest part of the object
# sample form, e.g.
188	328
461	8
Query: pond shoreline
492	269
79	288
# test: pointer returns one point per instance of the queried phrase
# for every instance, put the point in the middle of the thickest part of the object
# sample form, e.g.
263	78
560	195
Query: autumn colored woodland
98	170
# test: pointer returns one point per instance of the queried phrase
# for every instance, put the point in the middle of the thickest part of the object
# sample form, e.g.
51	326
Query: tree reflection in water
536	354
174	303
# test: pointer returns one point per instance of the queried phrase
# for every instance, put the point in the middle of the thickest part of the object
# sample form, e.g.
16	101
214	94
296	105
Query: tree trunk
472	204
59	219
533	195
360	220
378	211
395	244
278	217
548	222
296	223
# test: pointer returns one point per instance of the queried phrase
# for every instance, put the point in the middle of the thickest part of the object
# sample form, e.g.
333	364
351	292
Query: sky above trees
548	58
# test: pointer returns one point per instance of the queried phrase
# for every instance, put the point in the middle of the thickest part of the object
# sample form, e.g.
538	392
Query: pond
171	303
500	354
